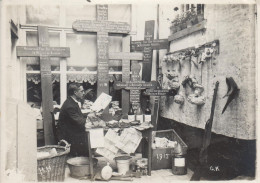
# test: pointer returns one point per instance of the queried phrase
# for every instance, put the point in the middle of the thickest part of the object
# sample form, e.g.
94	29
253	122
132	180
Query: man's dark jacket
71	127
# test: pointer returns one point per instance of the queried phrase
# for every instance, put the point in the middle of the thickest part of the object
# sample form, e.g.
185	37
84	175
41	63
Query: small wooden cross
125	57
102	27
135	87
147	46
44	51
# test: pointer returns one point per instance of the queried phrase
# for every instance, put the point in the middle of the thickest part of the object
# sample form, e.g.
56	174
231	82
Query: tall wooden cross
147	46
125	57
102	27
44	51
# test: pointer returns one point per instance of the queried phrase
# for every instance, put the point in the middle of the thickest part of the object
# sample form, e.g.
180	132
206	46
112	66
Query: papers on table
97	137
128	141
109	150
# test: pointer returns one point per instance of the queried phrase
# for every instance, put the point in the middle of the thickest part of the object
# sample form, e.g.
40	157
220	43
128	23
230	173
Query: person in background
71	123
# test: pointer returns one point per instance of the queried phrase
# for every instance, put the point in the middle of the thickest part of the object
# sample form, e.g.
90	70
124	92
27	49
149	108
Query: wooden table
146	145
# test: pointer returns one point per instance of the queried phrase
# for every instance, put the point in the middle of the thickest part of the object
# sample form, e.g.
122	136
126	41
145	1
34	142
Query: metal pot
79	166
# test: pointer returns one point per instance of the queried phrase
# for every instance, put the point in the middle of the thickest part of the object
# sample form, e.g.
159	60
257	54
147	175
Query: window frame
63	72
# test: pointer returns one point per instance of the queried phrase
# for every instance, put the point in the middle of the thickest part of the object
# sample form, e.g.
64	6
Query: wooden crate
162	157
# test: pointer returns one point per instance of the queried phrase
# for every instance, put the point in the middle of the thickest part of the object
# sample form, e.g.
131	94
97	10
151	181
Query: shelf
199	26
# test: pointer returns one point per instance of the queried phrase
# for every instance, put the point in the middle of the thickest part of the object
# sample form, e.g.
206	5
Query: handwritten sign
135	87
33	51
156	92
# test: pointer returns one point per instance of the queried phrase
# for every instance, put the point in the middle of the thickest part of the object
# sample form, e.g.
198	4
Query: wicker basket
52	168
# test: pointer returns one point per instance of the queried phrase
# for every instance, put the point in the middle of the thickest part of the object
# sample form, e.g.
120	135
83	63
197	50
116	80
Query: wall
234	27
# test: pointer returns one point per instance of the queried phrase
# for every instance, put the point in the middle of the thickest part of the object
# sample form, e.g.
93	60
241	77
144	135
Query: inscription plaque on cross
147	46
126	57
157	93
102	27
44	51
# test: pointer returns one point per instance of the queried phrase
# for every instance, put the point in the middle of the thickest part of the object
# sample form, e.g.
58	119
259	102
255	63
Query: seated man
71	124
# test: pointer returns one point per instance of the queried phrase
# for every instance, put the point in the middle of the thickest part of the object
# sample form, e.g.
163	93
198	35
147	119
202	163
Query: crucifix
44	51
125	57
102	27
147	46
135	85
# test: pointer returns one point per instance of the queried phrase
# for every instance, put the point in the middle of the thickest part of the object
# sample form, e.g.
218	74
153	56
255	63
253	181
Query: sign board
157	92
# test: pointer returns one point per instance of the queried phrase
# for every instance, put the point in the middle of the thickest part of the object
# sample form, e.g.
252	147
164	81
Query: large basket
52	168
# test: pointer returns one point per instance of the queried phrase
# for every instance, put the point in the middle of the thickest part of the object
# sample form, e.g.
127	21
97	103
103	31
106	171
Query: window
81	66
198	8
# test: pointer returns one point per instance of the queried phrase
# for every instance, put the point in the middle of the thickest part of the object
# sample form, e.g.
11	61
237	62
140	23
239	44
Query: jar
179	164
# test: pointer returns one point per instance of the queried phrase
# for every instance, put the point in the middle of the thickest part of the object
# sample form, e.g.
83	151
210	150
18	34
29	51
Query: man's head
76	90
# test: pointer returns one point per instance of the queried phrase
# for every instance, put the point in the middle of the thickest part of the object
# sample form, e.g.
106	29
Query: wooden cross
44	51
147	46
125	57
135	86
102	26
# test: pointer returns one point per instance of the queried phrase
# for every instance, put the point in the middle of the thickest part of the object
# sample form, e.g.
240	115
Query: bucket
79	166
123	164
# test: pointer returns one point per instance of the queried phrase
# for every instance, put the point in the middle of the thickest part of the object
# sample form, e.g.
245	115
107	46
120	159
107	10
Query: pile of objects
163	143
114	107
94	121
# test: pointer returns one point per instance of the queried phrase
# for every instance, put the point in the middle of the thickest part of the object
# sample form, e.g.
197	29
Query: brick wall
234	27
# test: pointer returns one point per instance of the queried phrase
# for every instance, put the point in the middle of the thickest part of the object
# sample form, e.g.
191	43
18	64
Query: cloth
71	127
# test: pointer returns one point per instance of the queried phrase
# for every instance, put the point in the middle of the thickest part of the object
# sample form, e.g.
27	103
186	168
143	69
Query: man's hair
72	88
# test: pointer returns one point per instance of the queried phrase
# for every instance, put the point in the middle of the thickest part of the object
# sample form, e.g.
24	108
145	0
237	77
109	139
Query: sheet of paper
102	102
97	137
129	140
109	150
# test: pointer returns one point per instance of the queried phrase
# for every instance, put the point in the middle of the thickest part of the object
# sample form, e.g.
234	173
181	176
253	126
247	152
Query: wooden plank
135	85
102	72
102	12
101	24
135	94
157	92
126	56
187	31
47	99
46	85
158	44
148	52
125	75
34	51
137	46
96	26
27	142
